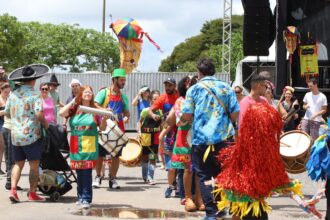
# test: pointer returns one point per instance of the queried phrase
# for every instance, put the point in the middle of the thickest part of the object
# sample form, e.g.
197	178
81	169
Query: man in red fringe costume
252	168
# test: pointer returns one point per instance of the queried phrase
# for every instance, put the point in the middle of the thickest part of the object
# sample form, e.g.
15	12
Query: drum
294	149
131	154
112	139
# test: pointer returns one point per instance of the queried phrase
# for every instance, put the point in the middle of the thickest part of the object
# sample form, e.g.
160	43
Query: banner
308	60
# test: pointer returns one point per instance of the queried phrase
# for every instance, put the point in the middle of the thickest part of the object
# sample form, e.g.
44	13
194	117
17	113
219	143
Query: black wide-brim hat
28	73
53	80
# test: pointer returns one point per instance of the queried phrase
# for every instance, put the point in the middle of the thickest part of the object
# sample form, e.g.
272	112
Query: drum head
112	139
294	144
131	151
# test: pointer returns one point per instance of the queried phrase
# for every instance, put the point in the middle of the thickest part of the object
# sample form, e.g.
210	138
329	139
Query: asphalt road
135	199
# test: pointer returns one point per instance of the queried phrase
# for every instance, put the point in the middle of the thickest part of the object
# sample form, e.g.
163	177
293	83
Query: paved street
134	194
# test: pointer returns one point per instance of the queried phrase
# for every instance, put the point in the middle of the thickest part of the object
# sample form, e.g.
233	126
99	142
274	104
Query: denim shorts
28	152
168	158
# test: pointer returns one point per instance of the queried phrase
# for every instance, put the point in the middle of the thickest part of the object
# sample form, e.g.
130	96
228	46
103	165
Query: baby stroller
56	177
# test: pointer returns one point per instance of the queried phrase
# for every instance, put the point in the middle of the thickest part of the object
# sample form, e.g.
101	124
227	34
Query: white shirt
315	102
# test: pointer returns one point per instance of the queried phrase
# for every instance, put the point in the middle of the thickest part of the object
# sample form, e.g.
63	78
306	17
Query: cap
170	80
74	81
119	73
144	88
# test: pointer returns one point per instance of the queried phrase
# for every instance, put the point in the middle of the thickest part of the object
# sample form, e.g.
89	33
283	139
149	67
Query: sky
168	22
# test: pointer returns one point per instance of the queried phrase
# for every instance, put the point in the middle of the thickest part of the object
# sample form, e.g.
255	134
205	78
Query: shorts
168	158
150	150
29	152
103	152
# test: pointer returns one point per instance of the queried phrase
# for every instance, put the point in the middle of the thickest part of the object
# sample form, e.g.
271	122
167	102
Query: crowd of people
185	127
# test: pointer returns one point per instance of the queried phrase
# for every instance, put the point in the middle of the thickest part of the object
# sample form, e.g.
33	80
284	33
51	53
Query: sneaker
152	182
2	173
34	197
13	196
8	187
79	202
221	214
113	184
97	182
168	192
86	205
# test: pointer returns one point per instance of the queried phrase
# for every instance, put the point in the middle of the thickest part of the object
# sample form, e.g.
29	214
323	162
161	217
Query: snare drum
294	149
113	138
131	154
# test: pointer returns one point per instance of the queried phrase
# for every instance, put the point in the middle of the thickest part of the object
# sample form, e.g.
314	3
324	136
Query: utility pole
103	31
226	36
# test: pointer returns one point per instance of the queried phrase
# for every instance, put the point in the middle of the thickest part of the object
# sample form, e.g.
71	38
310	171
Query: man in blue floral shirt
211	106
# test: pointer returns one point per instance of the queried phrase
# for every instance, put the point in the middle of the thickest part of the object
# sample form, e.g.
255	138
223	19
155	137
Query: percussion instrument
113	138
131	154
294	150
295	108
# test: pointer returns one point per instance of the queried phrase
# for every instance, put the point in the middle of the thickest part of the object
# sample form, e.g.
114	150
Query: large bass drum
113	139
294	149
131	154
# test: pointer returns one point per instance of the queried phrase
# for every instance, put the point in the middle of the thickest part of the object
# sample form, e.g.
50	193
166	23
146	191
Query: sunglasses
88	92
44	89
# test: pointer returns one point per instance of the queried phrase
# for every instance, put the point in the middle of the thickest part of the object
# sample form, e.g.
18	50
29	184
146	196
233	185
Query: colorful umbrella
127	28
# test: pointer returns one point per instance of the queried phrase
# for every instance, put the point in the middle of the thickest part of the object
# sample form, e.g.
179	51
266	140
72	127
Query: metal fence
133	84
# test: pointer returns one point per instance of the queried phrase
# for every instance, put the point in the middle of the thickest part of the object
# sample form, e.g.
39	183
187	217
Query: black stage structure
311	16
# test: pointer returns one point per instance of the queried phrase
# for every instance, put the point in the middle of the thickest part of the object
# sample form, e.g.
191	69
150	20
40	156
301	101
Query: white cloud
168	22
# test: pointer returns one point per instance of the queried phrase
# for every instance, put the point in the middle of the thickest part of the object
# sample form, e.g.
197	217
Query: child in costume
253	168
318	167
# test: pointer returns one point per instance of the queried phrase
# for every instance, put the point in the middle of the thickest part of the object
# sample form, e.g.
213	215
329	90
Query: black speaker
259	27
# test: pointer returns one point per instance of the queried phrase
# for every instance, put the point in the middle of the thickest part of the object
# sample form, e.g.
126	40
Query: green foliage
237	52
12	41
55	45
206	44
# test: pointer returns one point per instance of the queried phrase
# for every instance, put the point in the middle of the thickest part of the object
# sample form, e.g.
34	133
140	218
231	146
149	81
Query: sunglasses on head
5	87
44	89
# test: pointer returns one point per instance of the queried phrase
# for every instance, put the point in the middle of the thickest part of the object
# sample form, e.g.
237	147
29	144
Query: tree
12	42
55	45
206	44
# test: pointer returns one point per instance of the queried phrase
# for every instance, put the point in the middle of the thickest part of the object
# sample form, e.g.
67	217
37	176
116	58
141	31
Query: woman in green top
83	142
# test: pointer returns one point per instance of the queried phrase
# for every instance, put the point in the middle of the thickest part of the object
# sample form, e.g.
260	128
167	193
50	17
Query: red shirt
165	102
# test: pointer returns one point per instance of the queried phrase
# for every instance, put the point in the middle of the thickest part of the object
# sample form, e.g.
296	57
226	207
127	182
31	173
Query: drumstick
285	145
96	111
